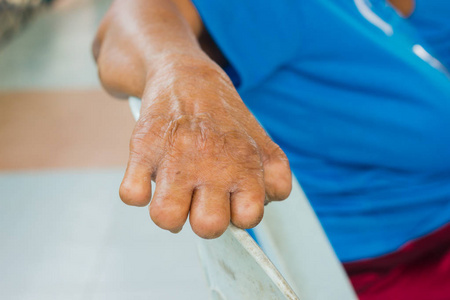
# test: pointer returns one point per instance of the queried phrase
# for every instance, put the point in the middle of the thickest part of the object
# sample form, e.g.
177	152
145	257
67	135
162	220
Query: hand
195	138
207	154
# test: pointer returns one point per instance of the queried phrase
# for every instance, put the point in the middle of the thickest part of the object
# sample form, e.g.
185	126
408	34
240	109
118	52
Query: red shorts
419	270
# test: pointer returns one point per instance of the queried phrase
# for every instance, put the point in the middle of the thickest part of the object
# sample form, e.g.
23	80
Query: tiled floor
64	233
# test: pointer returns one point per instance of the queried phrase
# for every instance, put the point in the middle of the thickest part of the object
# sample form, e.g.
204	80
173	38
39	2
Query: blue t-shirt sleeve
256	37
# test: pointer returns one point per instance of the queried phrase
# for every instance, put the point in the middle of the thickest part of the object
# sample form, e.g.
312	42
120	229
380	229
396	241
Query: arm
195	137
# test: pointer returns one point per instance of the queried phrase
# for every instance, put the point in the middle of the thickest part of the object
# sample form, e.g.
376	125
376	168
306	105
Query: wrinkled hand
195	138
207	154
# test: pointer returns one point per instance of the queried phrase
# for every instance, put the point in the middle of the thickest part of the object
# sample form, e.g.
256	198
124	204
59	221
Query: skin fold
209	157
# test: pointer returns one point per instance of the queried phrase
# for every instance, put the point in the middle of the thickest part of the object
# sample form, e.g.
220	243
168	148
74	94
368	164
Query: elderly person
356	94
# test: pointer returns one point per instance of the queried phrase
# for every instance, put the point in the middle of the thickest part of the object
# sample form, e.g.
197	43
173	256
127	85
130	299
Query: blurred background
64	233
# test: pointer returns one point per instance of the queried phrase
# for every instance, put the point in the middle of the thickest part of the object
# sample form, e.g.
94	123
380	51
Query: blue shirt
360	104
431	18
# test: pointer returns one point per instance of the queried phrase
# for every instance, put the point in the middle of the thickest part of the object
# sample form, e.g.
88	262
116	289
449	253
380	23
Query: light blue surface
67	235
363	119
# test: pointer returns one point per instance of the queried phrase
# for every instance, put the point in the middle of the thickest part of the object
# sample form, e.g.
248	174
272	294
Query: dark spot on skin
178	172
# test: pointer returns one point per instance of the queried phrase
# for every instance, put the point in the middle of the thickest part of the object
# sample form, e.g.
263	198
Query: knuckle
138	146
187	132
148	135
184	140
199	139
273	152
139	157
241	148
144	125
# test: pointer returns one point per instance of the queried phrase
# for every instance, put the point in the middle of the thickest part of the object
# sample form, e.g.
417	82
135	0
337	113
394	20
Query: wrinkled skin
195	138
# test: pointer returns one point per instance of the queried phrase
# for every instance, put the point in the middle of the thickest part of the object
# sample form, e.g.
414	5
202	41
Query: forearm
142	37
